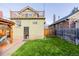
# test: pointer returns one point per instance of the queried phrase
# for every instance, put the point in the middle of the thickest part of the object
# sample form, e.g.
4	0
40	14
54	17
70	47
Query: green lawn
52	46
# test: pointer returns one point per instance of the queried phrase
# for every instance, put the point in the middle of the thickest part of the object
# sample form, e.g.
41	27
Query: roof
28	7
17	14
64	18
7	21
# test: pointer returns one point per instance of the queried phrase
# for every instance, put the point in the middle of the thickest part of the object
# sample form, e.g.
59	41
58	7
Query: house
29	23
67	27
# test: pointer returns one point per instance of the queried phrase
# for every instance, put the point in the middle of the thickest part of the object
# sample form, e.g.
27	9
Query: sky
59	9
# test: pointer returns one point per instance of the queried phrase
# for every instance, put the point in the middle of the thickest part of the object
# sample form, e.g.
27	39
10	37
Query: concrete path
12	48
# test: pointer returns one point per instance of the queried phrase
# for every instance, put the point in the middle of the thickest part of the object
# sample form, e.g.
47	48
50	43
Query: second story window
26	15
34	22
18	23
29	15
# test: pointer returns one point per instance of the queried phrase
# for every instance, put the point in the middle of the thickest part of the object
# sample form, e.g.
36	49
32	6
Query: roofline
66	17
58	22
7	21
27	18
50	25
23	9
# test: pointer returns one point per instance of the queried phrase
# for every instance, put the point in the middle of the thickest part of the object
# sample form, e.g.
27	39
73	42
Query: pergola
6	32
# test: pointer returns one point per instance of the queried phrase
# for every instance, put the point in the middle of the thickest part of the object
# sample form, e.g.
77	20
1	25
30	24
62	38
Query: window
73	24
35	22
18	23
26	15
29	15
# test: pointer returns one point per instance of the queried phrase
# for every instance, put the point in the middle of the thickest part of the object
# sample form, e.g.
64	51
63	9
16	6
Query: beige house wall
36	31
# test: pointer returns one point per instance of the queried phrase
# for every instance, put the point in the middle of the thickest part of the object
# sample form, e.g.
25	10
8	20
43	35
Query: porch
6	34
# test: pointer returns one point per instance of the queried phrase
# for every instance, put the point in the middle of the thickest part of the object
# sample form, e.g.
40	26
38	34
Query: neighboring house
66	27
29	23
6	34
6	31
69	21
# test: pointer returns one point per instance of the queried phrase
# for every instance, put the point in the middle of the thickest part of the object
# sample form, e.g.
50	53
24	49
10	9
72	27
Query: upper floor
27	12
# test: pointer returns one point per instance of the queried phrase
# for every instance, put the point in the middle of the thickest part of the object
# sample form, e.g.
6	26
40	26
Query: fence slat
68	33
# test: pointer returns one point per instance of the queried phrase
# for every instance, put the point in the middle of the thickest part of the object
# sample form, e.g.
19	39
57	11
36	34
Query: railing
15	14
71	34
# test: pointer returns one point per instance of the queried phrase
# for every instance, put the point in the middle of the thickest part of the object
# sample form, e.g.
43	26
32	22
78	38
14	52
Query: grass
51	46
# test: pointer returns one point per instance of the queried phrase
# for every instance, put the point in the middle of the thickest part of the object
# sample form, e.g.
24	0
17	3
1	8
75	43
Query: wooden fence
70	34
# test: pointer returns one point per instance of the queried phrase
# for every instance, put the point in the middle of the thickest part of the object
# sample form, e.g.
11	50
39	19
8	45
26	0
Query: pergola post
11	35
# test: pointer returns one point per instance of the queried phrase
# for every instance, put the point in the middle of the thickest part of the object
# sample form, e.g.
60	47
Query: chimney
1	14
58	17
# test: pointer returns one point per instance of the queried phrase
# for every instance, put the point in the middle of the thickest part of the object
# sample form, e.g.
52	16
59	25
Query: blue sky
60	9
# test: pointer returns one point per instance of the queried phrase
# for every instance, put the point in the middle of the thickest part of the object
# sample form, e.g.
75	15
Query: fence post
76	39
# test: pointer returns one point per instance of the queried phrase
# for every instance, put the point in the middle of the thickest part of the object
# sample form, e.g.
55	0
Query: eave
27	18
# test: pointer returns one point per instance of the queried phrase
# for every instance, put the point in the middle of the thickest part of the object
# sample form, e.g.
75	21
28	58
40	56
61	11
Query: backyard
51	46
